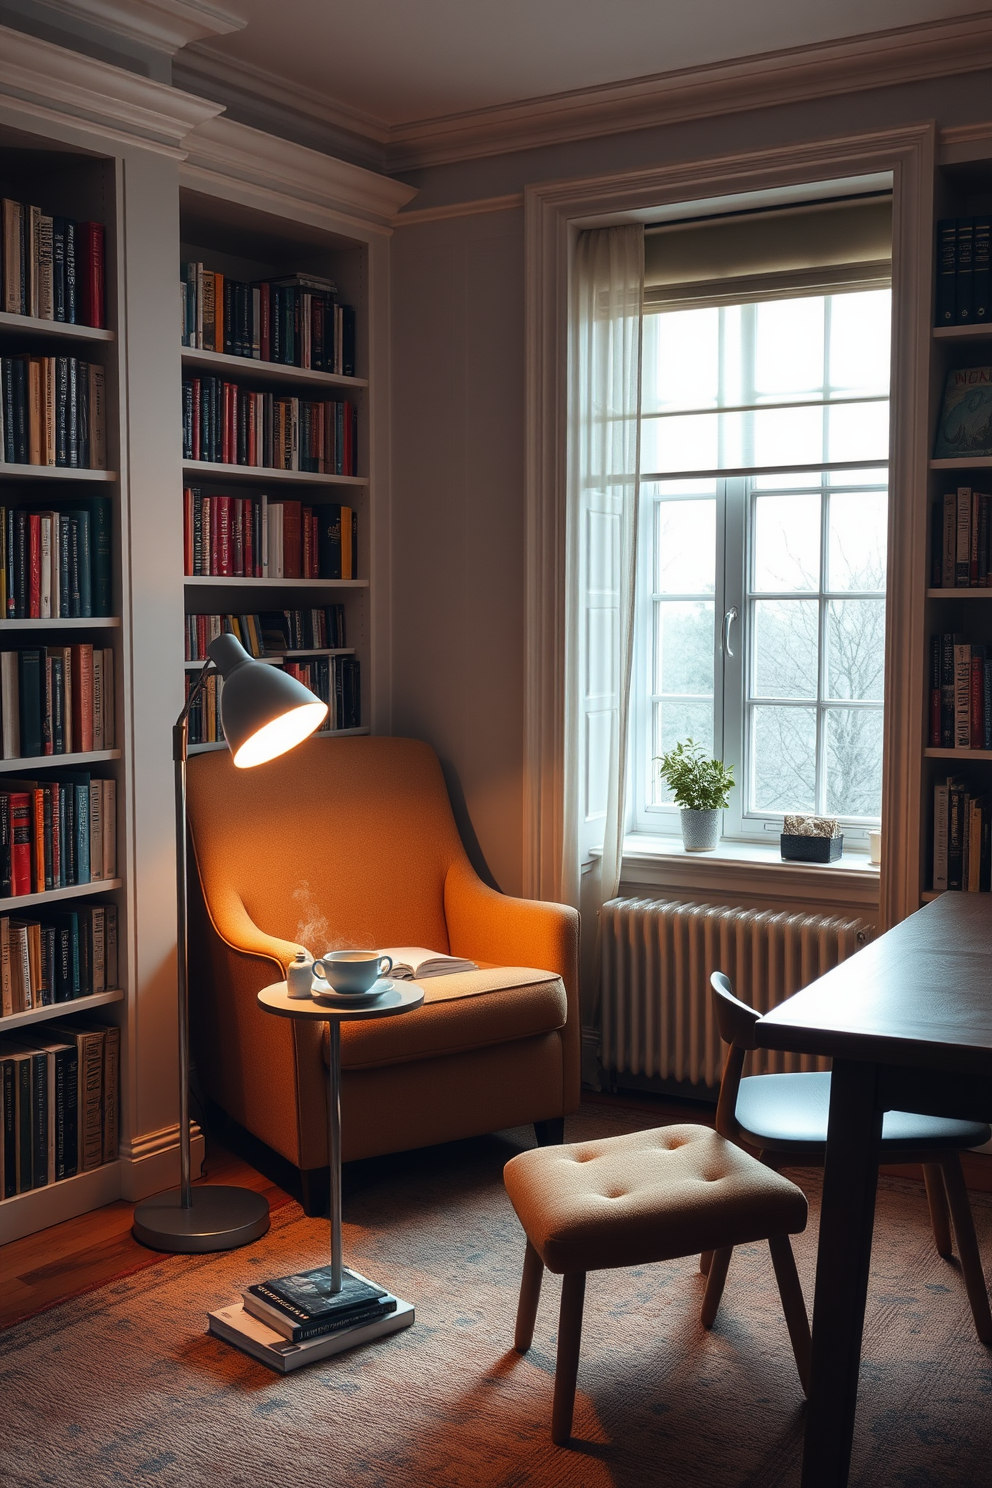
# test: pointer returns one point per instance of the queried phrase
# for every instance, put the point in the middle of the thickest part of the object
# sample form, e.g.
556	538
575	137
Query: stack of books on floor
294	1320
59	1103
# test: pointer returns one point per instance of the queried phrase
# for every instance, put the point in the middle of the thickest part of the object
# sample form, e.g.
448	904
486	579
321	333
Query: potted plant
701	786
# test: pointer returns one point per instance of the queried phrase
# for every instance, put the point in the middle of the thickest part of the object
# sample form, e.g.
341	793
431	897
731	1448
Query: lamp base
218	1219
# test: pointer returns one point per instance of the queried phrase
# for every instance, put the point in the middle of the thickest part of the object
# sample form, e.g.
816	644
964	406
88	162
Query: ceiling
392	62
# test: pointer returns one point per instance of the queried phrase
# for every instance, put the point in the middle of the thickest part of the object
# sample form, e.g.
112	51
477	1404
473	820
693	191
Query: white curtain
601	539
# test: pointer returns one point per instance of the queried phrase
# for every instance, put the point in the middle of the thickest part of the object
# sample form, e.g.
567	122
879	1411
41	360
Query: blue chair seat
776	1112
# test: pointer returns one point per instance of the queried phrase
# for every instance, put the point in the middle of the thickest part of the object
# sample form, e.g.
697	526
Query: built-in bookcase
68	182
248	245
963	190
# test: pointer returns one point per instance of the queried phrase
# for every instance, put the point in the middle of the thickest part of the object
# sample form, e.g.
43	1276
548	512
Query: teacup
352	971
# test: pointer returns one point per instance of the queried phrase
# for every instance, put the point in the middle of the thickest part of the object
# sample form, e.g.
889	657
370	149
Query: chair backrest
357	833
735	1021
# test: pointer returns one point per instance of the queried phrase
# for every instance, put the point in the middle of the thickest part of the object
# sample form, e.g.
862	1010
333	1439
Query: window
762	553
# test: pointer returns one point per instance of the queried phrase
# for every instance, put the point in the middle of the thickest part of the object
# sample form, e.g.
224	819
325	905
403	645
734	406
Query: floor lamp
264	712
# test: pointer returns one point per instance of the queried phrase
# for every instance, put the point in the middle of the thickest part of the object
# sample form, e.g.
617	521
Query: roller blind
818	248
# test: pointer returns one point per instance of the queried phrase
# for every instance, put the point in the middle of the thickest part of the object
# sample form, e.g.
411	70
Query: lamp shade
264	711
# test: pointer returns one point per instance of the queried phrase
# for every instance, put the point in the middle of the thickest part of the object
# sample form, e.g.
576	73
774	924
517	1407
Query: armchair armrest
488	926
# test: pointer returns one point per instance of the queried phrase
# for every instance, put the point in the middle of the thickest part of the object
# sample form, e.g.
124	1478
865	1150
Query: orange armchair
352	842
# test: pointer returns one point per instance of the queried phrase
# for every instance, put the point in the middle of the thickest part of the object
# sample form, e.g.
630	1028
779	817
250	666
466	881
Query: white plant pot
700	829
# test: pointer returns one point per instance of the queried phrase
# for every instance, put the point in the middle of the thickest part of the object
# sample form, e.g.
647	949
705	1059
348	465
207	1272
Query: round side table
402	997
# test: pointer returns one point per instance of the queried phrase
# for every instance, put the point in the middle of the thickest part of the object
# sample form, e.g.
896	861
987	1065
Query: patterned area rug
123	1387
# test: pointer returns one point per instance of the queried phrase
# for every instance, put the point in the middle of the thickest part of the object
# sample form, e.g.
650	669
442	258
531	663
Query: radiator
657	1006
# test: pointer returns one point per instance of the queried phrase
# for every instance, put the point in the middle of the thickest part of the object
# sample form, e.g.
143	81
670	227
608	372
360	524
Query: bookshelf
248	246
963	188
83	185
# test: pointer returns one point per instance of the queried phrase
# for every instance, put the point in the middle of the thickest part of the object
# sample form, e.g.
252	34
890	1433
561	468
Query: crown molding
222	150
483	204
165	25
964	142
876	59
45	82
203	66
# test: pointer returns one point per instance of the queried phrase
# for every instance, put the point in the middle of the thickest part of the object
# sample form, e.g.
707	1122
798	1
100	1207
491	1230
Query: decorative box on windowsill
802	849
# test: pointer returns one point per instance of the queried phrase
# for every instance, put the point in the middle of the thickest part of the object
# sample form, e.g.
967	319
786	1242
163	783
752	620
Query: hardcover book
965	426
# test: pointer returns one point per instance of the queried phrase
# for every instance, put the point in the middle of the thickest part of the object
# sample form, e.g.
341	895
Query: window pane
681	360
788	348
686	547
858	431
785	647
783	759
786	543
855	649
860	335
684	663
677	721
856	554
854	761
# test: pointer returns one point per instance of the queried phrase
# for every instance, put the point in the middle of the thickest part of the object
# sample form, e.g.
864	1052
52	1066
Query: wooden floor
86	1252
83	1253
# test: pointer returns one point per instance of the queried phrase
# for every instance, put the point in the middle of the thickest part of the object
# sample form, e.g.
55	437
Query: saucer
321	991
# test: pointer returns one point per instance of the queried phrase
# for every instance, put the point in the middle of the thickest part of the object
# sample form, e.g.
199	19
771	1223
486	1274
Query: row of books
56	564
53	412
56	832
965	425
258	537
60	1094
53	267
68	952
296	320
960	540
56	700
270	633
225	423
334	679
960	693
963	285
962	838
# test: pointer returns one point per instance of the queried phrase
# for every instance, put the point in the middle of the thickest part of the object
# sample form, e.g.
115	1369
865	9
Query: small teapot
299	975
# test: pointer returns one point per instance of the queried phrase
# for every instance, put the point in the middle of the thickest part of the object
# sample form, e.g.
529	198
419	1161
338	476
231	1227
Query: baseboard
150	1163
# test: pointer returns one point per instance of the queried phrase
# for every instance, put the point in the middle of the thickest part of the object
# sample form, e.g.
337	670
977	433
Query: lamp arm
178	749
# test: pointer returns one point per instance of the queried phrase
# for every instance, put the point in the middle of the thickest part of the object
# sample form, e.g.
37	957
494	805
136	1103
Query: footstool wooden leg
940	1219
573	1292
715	1278
530	1292
793	1304
705	1262
964	1234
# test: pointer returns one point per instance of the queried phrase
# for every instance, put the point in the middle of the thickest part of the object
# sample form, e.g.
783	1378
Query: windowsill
747	869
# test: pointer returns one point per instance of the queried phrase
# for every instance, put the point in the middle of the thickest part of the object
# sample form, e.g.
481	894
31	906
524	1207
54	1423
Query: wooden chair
783	1120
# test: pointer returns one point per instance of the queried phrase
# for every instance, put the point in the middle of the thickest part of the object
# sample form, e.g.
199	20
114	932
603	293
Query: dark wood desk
908	1023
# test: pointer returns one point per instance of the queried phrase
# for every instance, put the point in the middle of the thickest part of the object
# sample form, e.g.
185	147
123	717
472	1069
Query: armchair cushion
469	1010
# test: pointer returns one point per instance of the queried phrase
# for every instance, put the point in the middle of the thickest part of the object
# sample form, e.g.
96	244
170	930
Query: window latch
728	621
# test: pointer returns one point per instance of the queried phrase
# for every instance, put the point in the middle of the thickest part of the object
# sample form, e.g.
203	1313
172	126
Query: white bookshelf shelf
54	472
38	330
215	361
973	462
333	734
92	622
264	474
60	1009
975	593
961	754
25	1213
55	896
196	666
963	332
214	581
60	761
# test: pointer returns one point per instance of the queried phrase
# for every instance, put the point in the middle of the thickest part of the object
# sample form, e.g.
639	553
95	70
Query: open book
414	963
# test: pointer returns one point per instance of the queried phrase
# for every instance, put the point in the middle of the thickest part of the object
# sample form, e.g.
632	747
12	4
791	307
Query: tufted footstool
649	1196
